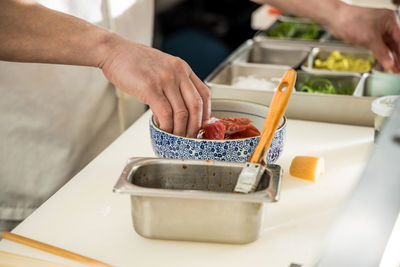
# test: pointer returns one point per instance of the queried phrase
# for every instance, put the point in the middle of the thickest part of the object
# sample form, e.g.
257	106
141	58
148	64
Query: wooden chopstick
51	249
12	259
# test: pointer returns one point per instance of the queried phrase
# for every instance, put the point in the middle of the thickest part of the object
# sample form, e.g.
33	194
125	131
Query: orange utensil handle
275	113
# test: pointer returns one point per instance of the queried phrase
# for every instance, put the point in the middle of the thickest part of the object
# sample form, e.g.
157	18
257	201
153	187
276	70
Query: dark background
202	32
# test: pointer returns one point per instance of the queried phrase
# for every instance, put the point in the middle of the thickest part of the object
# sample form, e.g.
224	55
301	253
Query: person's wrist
332	17
105	47
339	19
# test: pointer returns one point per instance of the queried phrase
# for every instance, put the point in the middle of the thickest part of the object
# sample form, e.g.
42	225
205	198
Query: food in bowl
167	145
227	128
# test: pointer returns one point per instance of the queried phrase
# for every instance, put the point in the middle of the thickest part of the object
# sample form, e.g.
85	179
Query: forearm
30	32
320	11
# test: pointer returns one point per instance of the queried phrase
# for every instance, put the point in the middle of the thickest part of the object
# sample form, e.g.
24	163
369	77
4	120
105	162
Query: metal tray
345	109
324	52
192	200
264	34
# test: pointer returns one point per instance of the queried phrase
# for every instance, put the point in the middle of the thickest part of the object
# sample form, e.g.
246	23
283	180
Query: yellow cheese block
307	167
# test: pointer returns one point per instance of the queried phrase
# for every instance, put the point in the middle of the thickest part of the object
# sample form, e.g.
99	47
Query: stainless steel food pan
227	76
193	200
324	52
275	53
264	34
345	84
379	84
278	54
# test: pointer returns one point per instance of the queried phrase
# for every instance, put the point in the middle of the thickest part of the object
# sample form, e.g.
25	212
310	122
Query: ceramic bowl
166	145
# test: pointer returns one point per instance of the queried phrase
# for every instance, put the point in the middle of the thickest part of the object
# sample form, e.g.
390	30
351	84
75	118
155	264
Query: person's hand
179	100
372	28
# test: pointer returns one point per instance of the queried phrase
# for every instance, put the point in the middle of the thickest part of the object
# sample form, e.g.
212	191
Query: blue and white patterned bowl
166	145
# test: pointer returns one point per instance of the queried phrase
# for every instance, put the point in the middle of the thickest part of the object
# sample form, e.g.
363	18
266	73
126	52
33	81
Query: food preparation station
267	59
86	217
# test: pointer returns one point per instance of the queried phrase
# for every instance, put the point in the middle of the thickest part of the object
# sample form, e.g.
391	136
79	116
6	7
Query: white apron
54	118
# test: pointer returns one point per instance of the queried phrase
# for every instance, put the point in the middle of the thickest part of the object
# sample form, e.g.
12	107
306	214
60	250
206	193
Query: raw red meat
227	128
250	131
234	125
215	131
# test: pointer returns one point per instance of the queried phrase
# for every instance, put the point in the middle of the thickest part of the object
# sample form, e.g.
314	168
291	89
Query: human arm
33	33
372	28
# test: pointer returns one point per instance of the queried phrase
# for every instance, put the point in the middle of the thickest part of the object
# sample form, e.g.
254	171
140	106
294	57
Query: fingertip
206	117
180	132
382	53
388	64
386	59
194	125
156	119
166	127
162	113
192	133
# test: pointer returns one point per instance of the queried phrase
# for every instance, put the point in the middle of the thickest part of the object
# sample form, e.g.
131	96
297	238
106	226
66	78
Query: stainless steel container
341	82
227	75
193	200
380	84
278	54
271	53
265	34
324	52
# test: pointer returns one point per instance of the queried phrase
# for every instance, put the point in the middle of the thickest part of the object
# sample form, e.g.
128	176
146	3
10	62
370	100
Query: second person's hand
373	28
178	98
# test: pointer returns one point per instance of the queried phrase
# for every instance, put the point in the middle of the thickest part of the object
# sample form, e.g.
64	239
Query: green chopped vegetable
336	61
324	86
296	30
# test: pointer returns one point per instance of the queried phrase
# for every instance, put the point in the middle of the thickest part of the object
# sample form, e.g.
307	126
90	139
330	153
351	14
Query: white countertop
86	217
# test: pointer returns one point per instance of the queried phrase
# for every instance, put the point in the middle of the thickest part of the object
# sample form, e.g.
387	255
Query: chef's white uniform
56	118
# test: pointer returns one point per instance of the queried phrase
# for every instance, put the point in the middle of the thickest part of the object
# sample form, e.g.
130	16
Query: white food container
382	108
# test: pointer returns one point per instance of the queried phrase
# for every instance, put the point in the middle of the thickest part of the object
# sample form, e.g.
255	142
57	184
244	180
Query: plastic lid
384	106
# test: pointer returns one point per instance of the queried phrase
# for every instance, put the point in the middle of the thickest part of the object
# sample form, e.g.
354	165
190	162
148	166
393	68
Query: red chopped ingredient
215	131
227	128
234	125
250	131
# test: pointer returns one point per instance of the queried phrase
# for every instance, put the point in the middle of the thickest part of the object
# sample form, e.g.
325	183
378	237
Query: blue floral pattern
166	145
